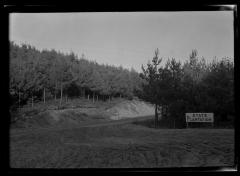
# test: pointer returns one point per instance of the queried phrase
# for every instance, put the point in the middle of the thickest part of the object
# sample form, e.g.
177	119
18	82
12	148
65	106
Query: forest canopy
192	86
36	74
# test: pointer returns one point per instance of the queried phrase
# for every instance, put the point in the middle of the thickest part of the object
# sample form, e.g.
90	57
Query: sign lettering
199	117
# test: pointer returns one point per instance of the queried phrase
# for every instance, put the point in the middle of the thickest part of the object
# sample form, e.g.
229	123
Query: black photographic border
118	6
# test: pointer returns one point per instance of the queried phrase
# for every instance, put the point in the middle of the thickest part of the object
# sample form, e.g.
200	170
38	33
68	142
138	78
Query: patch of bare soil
129	109
64	117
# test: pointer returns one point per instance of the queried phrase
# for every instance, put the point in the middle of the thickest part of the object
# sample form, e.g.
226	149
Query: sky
128	39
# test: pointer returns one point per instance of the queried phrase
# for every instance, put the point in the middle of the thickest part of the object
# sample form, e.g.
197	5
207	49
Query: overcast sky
127	38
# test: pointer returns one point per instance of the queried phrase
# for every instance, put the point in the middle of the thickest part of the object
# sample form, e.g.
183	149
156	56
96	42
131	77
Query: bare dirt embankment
129	109
88	114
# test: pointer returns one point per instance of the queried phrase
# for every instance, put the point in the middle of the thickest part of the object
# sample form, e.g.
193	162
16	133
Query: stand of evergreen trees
194	86
41	75
174	87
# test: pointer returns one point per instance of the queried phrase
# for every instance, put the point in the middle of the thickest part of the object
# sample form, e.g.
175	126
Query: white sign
199	117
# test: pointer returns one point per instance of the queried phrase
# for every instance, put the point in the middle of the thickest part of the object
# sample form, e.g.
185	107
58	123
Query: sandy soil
129	109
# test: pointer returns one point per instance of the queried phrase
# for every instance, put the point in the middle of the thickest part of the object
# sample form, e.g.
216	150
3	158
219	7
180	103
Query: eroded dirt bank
89	113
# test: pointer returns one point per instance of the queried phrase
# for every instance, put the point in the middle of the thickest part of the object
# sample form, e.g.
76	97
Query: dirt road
19	132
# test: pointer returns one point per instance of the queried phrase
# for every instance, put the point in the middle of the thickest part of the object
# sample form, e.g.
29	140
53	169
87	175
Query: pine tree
150	74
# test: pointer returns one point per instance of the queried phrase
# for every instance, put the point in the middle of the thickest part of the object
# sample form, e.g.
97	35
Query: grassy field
120	145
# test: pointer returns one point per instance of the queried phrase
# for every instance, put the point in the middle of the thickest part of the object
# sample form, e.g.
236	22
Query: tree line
175	88
193	86
39	75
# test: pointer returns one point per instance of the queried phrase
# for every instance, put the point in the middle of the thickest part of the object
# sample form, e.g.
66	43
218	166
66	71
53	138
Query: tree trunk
159	108
19	99
156	117
120	96
109	98
164	111
88	97
55	91
83	93
93	96
32	100
61	95
44	95
97	97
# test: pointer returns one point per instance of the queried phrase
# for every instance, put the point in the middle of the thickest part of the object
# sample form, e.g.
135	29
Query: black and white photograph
135	89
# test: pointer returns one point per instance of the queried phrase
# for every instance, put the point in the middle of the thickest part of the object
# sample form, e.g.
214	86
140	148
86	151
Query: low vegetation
121	146
169	124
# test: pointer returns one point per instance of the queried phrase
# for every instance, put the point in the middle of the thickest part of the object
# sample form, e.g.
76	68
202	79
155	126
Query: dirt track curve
21	132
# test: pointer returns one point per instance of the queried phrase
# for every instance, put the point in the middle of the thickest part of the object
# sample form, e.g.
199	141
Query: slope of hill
129	109
79	112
